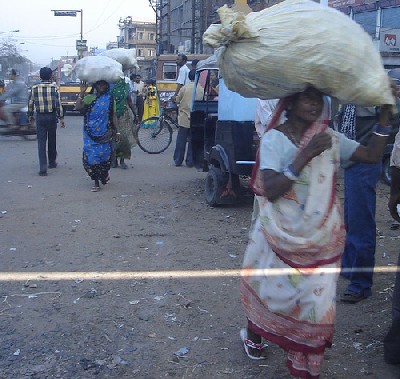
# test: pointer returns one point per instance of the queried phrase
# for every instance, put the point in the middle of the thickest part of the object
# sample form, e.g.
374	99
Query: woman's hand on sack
318	144
83	86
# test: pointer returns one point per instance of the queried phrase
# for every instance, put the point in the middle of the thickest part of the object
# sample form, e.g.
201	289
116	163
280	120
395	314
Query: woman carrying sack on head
98	131
124	124
292	261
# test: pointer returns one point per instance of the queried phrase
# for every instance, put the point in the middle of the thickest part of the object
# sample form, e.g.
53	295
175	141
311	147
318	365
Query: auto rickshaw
224	140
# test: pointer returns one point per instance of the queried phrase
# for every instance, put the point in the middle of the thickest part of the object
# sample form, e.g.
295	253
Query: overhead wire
104	21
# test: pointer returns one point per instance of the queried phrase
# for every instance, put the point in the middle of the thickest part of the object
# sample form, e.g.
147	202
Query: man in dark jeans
360	180
46	99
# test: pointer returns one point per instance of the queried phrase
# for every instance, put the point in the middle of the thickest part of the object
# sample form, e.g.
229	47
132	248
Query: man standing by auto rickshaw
183	73
17	93
184	101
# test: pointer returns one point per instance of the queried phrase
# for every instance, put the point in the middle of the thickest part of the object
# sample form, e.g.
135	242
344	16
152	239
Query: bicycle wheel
154	135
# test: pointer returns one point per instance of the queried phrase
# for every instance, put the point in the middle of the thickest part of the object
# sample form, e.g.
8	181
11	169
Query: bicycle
154	134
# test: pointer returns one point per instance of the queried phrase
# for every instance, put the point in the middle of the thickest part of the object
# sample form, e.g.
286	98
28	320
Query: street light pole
81	24
72	13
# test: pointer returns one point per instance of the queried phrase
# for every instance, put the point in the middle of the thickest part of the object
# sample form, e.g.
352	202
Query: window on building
139	52
151	53
391	18
169	71
151	36
367	20
139	35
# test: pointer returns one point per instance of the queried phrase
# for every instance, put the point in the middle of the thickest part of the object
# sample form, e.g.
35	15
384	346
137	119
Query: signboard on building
390	41
81	44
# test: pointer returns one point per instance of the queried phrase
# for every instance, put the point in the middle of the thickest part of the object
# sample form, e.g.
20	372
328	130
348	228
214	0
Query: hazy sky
43	36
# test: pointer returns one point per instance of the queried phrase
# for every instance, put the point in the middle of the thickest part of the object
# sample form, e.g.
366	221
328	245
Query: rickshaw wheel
213	186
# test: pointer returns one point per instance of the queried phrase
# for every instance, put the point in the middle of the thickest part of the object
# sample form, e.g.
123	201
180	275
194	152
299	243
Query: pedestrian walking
45	98
291	265
122	148
98	131
360	182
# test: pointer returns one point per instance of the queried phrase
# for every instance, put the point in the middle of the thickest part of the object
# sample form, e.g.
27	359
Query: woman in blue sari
98	131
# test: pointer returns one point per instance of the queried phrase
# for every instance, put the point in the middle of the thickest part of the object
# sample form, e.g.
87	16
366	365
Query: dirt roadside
152	219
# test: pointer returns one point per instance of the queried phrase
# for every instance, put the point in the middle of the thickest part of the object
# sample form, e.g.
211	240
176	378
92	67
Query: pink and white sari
291	265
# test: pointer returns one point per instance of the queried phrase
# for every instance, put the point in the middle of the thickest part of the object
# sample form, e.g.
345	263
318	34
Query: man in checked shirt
46	99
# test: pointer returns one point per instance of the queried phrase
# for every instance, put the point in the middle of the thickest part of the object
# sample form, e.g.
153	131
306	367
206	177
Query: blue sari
97	135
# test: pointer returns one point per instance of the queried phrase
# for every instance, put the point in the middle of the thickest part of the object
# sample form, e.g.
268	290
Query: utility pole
193	39
169	28
157	6
81	44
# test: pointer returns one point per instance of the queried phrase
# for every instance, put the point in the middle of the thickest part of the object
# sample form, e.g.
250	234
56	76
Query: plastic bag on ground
295	44
94	68
127	57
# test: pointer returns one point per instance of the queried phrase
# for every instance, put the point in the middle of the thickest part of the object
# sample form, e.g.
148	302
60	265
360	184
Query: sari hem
287	344
300	373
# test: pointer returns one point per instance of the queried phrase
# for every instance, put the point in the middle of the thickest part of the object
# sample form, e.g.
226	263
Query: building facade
142	37
181	23
381	20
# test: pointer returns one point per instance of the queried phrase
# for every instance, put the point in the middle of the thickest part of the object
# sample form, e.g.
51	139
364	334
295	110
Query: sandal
248	343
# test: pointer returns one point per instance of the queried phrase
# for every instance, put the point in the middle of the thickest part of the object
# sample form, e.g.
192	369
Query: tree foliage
9	54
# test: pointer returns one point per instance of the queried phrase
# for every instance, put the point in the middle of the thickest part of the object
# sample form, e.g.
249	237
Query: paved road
151	218
22	162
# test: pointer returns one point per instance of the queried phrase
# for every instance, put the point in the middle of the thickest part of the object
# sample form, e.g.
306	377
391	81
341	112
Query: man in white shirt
183	73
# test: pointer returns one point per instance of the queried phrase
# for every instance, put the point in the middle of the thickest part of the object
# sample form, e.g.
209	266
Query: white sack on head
127	57
295	44
94	68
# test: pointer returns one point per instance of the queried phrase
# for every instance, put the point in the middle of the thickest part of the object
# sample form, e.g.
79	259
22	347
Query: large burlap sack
94	68
297	43
127	57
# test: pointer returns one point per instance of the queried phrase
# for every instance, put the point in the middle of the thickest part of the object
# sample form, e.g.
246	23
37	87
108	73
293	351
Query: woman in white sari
291	265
